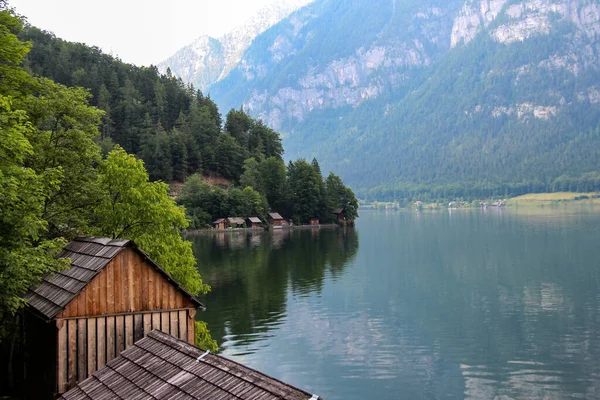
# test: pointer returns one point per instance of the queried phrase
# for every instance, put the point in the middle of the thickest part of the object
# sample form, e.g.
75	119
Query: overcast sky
142	32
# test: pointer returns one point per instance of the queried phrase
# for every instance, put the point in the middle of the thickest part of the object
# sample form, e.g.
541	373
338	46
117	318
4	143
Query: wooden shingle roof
236	220
89	255
160	366
255	220
275	216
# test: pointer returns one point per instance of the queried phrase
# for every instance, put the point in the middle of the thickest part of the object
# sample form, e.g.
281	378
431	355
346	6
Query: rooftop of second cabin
160	366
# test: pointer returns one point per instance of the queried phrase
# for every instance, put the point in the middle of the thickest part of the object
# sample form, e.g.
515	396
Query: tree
132	207
196	196
273	176
252	175
26	254
304	191
340	196
63	143
229	157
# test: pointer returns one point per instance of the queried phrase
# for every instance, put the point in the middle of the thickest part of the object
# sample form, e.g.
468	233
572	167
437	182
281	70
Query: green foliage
340	196
203	338
305	191
133	207
26	253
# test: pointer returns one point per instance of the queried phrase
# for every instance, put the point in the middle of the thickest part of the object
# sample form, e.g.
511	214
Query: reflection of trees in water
251	273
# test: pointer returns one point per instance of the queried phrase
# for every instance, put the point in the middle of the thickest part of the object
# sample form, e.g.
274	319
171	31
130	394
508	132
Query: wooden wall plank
151	288
172	297
103	304
129	330
111	336
138	328
120	334
182	319
110	292
164	322
147	323
140	293
63	374
130	280
81	349
145	271
174	329
72	357
91	346
165	294
117	283
191	327
156	321
158	291
97	283
101	335
125	304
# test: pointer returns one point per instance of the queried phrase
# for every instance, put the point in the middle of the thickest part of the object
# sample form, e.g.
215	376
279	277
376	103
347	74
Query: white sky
141	32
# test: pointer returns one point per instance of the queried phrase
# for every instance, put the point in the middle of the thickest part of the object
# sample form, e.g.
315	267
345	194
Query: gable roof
337	211
219	221
255	220
275	216
160	366
236	220
89	256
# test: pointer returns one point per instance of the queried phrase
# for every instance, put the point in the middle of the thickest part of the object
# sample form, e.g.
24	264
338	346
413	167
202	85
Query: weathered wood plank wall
87	344
127	284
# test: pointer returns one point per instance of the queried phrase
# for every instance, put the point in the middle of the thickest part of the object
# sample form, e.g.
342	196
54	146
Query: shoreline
282	228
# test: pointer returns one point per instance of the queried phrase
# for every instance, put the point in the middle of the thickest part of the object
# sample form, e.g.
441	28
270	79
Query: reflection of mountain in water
252	273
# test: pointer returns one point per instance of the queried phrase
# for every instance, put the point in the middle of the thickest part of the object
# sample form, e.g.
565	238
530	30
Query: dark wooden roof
255	220
275	216
89	255
160	366
236	220
219	221
337	211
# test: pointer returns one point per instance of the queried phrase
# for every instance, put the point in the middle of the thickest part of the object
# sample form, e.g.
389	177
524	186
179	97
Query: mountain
432	98
208	60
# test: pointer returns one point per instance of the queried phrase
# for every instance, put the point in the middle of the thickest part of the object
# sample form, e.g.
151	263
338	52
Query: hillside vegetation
433	100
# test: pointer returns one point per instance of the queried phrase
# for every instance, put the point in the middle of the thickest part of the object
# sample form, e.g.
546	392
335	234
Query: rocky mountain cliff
208	60
404	97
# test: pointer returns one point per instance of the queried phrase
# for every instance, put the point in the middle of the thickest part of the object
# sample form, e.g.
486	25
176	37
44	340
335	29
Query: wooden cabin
79	319
254	222
277	220
236	222
221	223
339	214
162	367
314	221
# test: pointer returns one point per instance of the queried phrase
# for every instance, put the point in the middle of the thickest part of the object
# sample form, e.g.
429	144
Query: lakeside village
275	221
528	200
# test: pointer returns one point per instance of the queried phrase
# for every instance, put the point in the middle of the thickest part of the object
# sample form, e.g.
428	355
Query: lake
476	304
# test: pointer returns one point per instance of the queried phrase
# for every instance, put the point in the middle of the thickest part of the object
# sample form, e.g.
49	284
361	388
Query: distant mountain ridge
208	60
432	98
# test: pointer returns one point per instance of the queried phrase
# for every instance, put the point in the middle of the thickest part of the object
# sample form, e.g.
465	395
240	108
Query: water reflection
468	304
251	274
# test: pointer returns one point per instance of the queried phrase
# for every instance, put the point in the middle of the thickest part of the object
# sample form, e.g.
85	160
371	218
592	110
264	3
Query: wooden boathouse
79	319
162	367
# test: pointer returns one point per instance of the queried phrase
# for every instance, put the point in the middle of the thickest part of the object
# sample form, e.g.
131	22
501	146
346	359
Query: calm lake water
464	304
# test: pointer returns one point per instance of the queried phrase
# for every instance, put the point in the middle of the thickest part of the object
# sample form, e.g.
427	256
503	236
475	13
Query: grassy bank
541	199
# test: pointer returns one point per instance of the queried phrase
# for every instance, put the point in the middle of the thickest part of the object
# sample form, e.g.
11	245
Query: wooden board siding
85	345
127	284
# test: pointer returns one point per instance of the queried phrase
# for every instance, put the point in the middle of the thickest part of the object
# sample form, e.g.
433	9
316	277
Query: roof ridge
170	339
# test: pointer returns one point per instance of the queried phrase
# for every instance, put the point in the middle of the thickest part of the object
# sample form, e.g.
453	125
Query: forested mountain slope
433	99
